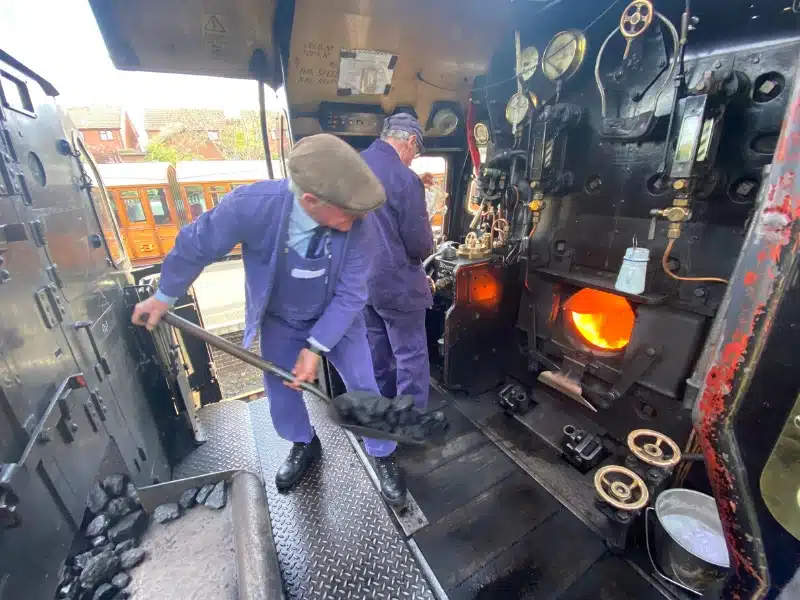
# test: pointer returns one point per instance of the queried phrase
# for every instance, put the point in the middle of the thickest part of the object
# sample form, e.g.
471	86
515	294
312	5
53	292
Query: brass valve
676	215
673	214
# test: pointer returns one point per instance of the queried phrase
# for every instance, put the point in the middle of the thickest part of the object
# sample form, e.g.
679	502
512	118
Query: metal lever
101	360
244	355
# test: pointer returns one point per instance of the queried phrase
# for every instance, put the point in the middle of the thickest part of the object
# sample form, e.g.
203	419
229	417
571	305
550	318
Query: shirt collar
300	218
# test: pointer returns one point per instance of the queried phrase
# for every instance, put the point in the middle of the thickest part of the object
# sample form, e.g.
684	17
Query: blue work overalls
299	297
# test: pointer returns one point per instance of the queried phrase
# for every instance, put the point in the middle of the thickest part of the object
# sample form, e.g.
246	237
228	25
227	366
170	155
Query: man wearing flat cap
399	293
306	252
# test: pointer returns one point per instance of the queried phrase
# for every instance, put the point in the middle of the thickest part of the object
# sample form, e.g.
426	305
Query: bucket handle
652	560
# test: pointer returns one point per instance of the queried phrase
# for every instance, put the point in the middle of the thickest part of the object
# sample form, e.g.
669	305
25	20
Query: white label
366	72
306	274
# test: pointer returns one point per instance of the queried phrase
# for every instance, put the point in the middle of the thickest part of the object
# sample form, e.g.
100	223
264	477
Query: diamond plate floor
230	442
333	533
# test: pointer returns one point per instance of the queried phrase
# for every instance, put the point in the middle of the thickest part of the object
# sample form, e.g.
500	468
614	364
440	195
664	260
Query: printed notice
365	72
214	33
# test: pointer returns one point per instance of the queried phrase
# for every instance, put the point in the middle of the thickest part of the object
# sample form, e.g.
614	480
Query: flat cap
334	172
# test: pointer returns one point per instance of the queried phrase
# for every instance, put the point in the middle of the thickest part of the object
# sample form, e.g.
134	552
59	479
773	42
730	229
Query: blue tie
315	244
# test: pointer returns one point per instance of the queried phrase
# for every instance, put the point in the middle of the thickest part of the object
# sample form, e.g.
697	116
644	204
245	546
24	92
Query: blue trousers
281	343
399	348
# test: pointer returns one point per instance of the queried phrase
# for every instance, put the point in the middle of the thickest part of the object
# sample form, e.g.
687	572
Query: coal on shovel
363	413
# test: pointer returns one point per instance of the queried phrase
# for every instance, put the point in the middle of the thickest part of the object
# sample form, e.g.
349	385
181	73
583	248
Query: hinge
50	307
55	275
10	171
39	233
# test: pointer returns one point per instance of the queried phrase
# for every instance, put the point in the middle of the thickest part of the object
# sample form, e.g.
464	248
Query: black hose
262	114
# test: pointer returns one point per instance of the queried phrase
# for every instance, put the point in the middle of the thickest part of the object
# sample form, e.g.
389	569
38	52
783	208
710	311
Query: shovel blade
371	415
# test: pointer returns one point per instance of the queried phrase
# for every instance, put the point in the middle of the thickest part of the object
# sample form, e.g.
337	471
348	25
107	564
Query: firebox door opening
598	321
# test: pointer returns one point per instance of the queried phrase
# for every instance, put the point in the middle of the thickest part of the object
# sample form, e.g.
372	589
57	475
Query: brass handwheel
621	488
635	20
660	452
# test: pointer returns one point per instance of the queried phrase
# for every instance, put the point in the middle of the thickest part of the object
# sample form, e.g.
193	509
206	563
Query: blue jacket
403	235
257	216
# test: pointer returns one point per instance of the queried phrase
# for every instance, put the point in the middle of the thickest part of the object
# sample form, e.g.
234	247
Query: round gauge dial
481	133
517	108
528	62
564	55
445	121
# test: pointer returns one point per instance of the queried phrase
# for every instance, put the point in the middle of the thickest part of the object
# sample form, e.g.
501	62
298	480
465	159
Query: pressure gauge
517	109
481	133
564	55
529	62
445	121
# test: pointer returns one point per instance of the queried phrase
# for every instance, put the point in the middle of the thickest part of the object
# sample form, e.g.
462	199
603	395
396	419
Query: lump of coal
130	527
99	569
121	580
102	548
100	540
123	595
114	485
188	498
131	558
130	492
216	499
69	591
119	507
81	559
105	592
124	546
204	492
97	498
166	512
98	526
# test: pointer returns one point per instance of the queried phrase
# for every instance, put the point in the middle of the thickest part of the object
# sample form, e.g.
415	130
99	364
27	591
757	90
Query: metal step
333	534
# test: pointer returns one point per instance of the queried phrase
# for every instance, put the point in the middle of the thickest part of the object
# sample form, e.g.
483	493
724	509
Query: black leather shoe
393	488
300	458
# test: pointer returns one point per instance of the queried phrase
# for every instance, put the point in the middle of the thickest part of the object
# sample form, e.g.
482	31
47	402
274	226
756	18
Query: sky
60	40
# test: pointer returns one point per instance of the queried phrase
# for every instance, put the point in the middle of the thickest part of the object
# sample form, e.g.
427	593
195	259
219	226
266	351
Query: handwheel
653	453
621	488
635	20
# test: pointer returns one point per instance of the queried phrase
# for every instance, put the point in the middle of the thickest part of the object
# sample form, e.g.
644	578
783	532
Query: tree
159	151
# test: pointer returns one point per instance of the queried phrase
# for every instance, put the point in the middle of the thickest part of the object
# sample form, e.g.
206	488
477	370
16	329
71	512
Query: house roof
158	119
95	117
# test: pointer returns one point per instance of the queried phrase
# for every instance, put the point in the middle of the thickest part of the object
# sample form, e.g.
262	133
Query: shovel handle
242	354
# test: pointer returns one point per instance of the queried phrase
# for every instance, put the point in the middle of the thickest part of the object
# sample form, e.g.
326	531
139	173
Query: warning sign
214	25
215	33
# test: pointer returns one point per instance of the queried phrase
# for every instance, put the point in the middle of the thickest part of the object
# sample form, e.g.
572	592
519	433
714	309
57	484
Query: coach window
133	206
157	198
194	195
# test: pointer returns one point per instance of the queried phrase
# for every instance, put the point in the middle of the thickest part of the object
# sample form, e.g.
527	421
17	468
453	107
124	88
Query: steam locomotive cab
612	333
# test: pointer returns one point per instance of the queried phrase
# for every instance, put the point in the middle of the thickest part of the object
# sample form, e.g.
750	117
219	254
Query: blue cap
405	122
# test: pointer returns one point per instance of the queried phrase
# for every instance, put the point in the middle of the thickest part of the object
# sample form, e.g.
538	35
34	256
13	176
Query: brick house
107	130
210	134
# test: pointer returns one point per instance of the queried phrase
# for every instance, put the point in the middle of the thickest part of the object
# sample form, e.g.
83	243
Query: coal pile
116	522
396	416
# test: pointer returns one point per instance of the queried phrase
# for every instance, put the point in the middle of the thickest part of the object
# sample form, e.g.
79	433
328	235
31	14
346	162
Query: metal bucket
690	548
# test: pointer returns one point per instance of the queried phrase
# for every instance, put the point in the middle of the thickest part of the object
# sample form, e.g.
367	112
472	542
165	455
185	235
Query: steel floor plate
334	536
230	442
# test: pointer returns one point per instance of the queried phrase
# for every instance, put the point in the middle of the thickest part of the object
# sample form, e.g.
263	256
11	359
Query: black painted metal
56	279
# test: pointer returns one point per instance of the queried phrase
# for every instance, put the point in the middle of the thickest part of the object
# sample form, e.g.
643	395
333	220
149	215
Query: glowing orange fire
602	319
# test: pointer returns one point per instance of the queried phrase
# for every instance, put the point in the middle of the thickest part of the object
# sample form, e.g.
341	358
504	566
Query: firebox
600	321
623	357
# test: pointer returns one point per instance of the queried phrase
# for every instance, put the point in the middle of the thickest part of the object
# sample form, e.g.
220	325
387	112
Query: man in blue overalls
399	293
306	251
